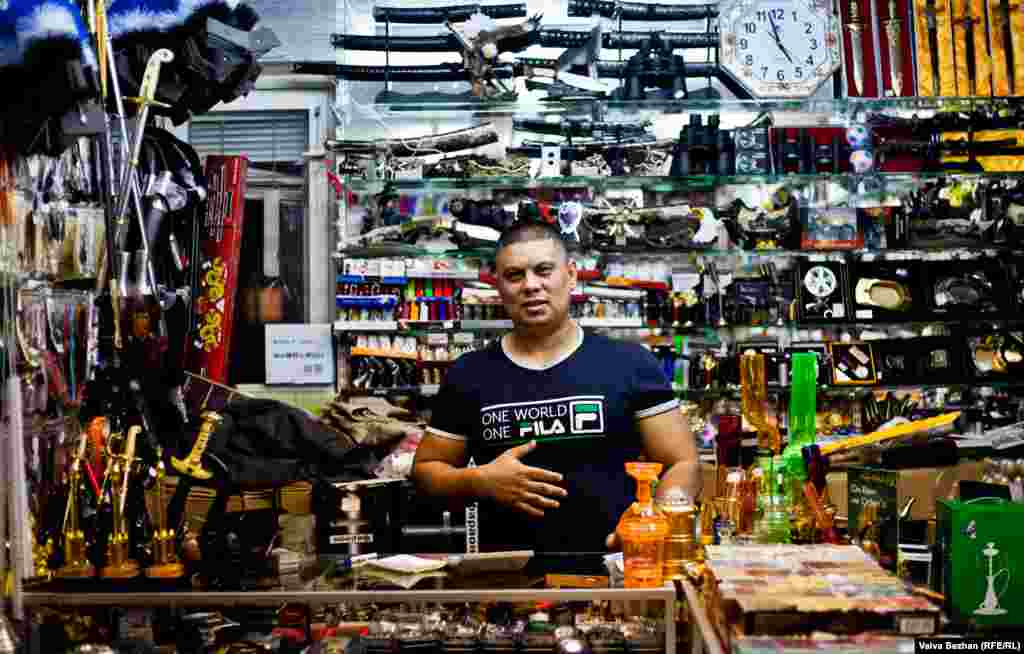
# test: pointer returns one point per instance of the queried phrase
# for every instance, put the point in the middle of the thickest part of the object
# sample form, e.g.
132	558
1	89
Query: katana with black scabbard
454	72
641	10
454	13
893	33
573	127
548	37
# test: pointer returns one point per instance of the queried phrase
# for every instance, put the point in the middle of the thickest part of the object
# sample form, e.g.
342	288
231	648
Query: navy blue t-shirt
582	411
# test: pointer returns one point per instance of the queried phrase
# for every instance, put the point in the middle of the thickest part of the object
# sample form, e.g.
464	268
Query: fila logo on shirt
578	416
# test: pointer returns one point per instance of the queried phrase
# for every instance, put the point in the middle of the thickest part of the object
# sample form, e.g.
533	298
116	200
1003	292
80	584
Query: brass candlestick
76	563
165	561
119	564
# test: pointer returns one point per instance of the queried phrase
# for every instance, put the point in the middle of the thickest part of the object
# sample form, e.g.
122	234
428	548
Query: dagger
856	26
933	45
893	29
969	49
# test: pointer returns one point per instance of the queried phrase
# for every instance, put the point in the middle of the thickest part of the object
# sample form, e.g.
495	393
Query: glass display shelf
974	323
388	250
836	110
883	179
733	392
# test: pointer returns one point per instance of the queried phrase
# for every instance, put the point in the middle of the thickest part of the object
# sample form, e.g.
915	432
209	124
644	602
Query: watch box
822	284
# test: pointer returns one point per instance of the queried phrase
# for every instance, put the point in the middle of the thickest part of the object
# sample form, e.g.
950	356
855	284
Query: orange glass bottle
643	531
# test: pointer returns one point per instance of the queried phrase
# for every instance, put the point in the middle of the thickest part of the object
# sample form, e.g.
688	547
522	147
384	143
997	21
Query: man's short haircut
522	231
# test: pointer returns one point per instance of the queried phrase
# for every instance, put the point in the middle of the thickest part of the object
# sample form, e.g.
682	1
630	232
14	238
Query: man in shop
550	415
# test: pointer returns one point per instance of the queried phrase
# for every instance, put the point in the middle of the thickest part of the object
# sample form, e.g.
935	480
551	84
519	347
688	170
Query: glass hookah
773	527
802	432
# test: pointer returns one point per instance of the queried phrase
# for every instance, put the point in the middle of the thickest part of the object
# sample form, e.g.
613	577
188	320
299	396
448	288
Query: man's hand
509	481
613	542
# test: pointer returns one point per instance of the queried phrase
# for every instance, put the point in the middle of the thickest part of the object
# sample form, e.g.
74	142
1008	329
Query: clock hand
778	39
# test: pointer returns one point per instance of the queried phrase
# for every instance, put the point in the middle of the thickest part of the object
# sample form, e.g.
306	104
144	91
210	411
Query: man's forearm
445	480
685	475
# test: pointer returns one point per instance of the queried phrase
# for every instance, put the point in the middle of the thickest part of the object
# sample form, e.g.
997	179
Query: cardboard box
980	562
891	489
209	353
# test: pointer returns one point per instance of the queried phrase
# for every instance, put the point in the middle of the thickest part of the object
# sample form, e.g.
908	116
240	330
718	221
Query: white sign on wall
299	354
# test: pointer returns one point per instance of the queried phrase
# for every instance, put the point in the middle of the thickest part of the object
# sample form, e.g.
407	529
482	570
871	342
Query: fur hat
27	25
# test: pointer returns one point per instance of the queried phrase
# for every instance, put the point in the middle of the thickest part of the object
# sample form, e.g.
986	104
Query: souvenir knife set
949	48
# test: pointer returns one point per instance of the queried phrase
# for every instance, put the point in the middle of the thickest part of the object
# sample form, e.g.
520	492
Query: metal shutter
263	136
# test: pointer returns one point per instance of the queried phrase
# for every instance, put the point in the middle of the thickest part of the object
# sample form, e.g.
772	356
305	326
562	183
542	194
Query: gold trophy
165	562
76	563
119	565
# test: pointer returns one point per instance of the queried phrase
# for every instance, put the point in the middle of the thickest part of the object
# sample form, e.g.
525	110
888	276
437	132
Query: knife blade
855	25
893	31
1004	9
933	45
969	48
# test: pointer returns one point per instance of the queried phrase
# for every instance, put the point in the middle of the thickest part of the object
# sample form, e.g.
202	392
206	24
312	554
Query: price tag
685	281
299	354
463	338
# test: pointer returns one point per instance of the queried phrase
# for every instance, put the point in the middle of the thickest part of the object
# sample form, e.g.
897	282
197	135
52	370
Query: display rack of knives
630	51
843	177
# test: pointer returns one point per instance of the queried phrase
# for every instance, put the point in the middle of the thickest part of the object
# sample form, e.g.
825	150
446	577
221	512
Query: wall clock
779	48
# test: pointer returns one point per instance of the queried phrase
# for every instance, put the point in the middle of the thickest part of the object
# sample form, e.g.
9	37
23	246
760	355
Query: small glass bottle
681	544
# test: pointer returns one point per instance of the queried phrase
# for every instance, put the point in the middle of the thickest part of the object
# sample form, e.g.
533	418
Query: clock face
779	48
